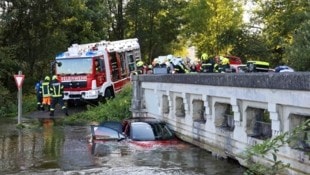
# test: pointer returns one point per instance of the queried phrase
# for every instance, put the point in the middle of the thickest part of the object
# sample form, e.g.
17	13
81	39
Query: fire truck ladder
111	46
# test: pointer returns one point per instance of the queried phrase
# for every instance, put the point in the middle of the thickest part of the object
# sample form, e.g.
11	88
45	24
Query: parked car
234	59
284	68
258	66
141	131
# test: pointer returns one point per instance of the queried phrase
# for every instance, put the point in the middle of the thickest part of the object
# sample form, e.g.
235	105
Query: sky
247	11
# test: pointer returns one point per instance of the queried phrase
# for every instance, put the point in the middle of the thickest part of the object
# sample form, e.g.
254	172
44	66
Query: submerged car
140	131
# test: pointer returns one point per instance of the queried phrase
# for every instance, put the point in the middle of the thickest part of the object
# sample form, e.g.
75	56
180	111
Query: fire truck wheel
108	94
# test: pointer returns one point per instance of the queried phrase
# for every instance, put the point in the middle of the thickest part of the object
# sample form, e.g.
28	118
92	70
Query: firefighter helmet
54	77
47	78
140	63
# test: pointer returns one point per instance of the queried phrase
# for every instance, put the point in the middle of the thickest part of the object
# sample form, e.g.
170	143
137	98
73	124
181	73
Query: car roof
112	124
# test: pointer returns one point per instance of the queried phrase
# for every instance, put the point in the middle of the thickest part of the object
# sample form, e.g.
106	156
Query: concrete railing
226	113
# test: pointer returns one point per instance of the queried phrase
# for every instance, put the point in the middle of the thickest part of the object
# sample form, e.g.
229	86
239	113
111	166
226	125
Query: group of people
50	93
214	64
219	64
171	64
180	65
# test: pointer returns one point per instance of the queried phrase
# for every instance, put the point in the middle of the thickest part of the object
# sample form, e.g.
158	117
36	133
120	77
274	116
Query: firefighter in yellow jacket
224	64
140	67
45	93
204	57
56	89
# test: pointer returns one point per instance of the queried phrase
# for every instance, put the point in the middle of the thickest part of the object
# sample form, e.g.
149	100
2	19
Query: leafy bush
298	52
29	103
271	146
7	106
114	109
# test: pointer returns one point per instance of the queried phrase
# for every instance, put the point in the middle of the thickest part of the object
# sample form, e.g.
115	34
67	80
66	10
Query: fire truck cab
96	71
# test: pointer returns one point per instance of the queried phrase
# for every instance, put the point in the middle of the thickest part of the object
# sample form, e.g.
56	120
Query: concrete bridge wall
226	113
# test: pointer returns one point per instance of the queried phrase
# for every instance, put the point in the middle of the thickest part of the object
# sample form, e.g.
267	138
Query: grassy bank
114	109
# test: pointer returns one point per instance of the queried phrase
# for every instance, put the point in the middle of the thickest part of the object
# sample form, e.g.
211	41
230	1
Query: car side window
101	132
162	131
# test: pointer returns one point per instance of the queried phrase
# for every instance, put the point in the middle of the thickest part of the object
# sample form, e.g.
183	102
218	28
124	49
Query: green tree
212	25
85	21
33	32
280	20
115	19
298	52
250	46
155	23
30	36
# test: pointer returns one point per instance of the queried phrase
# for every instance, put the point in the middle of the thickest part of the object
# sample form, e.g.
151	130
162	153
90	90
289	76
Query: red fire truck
95	71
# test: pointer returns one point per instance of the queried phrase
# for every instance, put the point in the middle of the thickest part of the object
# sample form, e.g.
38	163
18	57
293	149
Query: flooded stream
54	149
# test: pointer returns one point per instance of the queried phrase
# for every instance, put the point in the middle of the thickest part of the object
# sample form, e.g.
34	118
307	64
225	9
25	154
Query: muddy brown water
51	148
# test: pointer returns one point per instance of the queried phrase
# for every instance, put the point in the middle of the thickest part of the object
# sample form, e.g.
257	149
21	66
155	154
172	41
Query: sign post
19	79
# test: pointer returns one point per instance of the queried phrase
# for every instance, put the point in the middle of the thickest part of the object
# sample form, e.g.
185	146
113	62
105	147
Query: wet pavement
51	148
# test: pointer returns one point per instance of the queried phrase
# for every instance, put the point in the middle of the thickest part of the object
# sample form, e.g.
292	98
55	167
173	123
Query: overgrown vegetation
271	147
8	103
114	109
29	103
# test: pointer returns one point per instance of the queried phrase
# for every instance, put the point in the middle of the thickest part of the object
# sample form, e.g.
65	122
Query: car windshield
141	131
74	66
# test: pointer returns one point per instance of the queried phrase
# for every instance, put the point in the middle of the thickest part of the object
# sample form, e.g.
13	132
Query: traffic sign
19	79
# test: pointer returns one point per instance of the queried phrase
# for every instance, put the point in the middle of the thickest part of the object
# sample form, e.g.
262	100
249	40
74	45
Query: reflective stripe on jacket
45	89
56	89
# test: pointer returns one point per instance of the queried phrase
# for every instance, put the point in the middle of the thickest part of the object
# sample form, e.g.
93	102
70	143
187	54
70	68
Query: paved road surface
57	114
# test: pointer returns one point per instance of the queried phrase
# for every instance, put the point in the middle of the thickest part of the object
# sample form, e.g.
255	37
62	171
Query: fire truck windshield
74	66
